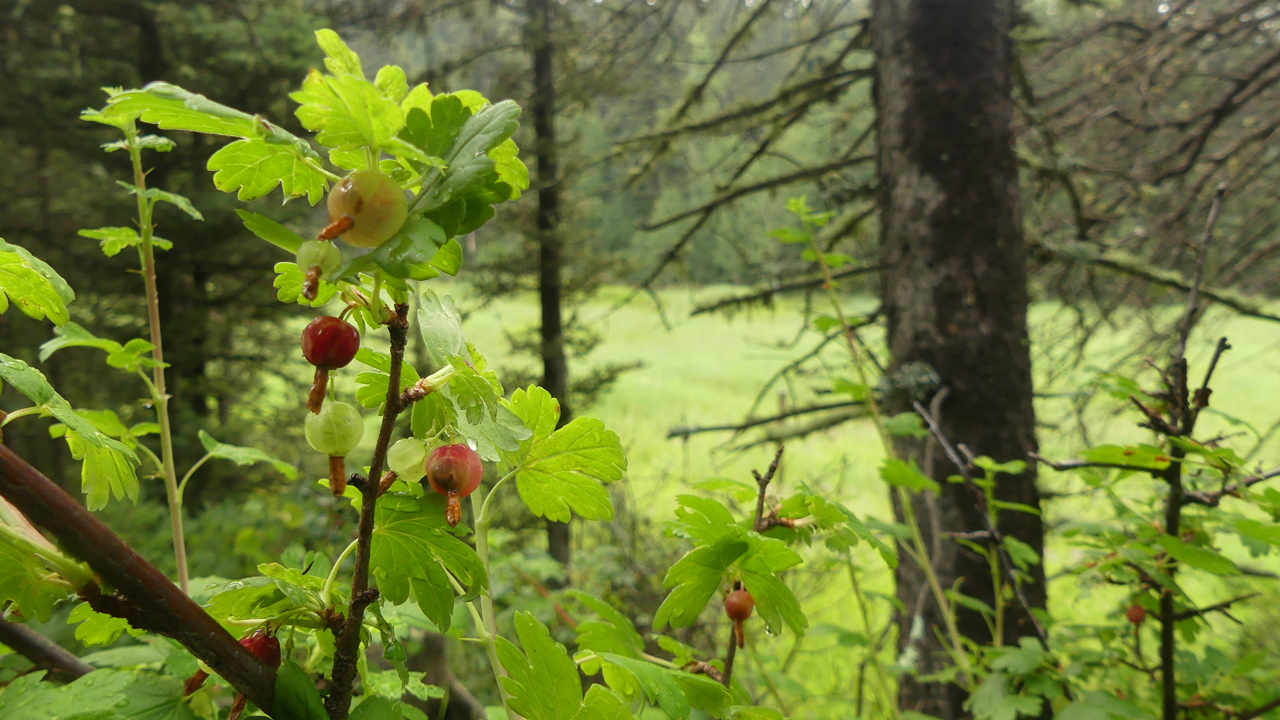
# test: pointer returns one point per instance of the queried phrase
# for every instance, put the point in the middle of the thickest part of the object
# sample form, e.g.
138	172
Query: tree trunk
555	370
955	289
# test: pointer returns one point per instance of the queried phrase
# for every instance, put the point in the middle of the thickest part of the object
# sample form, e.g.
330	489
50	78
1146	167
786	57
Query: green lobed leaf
346	111
113	240
694	579
339	59
30	283
104	471
612	632
564	471
392	82
22	582
103	454
96	628
128	357
253	167
245	455
413	548
542	680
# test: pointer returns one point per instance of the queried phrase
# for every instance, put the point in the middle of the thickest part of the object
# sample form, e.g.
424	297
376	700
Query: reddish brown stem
384	485
452	510
336	228
319	386
337	476
145	596
195	682
311	282
347	651
740	631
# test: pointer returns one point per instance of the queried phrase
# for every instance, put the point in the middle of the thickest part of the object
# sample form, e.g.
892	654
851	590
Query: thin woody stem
160	397
347	653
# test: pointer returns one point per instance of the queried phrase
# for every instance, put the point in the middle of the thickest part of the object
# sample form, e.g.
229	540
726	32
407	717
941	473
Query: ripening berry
375	205
321	254
330	343
1136	614
738	605
453	471
336	430
405	459
264	646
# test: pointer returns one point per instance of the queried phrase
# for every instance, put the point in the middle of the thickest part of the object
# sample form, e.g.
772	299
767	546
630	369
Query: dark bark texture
555	368
955	289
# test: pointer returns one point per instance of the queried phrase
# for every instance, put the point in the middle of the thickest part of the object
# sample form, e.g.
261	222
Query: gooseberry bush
406	172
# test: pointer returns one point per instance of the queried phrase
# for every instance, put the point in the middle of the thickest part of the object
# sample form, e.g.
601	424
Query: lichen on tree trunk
955	288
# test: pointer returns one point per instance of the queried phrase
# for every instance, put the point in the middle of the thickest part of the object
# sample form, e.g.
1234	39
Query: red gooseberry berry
454	471
330	343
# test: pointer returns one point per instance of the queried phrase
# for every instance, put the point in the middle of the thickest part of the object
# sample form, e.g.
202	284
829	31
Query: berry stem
319	386
159	397
347	652
337	476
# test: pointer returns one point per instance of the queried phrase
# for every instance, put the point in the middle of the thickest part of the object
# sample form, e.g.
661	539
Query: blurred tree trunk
955	289
555	369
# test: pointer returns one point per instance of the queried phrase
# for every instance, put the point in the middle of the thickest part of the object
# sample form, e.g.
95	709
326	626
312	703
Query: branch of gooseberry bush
42	652
143	595
347	643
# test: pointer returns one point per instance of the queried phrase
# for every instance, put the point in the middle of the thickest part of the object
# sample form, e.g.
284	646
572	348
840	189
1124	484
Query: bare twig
145	597
1211	499
1202	256
1221	607
997	540
680	432
42	651
762	482
778	288
347	651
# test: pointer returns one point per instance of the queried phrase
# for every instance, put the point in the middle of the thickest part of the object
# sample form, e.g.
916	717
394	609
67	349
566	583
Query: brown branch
694	95
152	599
1077	464
765	294
42	651
347	651
1212	499
762	482
773	182
1219	607
679	432
1256	712
1137	267
1202	256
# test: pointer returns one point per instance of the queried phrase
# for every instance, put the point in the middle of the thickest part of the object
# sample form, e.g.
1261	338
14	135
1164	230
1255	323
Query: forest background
665	139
